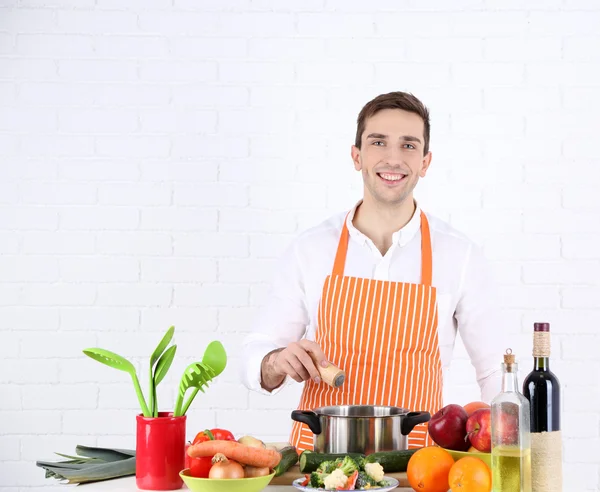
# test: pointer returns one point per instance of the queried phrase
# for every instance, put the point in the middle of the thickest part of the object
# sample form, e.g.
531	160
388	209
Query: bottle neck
509	381
541	363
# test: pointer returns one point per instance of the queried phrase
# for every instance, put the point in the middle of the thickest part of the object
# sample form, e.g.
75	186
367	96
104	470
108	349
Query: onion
253	471
224	468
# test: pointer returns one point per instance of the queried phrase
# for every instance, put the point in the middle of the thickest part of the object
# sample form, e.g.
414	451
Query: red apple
448	428
479	430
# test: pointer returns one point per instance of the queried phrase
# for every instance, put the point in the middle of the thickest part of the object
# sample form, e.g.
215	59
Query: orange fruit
428	469
474	405
470	474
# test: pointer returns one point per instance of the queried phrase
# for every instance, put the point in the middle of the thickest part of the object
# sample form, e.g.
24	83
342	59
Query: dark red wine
541	386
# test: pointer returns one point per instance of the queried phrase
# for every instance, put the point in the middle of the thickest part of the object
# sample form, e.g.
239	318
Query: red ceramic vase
160	451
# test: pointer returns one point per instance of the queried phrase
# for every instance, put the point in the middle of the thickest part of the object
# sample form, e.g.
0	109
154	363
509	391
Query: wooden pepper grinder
331	375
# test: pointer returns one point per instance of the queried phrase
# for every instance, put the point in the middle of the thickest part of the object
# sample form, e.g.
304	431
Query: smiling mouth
392	178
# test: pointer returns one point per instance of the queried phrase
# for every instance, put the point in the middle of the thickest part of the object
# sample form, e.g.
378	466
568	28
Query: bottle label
541	344
546	462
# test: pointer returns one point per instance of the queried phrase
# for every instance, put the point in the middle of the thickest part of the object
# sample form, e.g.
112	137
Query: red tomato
200	467
222	435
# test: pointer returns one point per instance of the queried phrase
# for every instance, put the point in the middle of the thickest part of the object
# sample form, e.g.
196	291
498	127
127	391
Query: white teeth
392	177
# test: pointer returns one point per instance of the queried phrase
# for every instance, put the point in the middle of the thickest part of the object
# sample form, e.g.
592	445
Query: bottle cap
541	326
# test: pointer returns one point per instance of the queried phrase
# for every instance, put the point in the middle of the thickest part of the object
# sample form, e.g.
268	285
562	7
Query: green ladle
117	362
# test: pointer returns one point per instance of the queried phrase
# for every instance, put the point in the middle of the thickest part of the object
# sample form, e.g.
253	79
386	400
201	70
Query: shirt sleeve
282	319
478	320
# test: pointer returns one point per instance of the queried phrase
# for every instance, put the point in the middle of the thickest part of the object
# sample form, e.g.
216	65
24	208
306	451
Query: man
380	291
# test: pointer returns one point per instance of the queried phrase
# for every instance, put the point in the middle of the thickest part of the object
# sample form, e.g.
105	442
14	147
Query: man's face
391	156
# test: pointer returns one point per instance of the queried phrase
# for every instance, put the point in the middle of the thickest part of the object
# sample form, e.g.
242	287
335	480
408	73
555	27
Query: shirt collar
400	237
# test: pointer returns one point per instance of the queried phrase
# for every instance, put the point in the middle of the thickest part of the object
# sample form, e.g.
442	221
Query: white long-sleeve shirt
465	294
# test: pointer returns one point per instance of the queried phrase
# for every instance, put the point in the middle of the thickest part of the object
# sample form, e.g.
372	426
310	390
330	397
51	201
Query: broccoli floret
317	479
327	467
364	481
360	462
348	466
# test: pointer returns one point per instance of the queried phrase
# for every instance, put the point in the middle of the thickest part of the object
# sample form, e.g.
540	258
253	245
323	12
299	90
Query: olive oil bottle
511	439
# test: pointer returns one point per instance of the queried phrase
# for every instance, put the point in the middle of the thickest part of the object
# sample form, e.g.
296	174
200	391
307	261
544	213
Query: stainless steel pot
360	428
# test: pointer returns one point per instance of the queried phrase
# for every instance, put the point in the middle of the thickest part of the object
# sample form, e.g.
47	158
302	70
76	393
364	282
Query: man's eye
378	142
410	146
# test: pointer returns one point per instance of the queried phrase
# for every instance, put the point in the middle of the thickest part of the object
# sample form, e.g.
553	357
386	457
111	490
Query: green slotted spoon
117	362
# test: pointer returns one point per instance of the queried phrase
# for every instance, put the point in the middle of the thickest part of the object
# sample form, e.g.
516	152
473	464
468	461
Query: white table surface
127	484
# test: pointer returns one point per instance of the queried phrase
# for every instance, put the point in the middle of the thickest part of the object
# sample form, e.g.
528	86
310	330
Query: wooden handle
331	375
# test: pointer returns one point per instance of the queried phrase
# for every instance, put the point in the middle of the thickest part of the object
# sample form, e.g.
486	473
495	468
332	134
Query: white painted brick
125	441
134	194
531	297
564	321
59	397
8	92
131	95
178	270
563	272
134	243
581	297
514	49
184	319
178	121
372	49
505	222
211	295
134	4
7	43
20	473
99	319
260	292
267	24
40	146
184	171
246	270
581	148
97	70
410	75
9	192
133	345
291	197
506	272
98	422
86	370
97	120
211	195
252	220
219	245
255	170
581	246
96	22
516	246
175	71
562	73
334	25
11	396
9	294
9	243
63	345
223	395
333	122
269	245
571	424
131	46
487	74
9	349
35	193
28	69
120	397
28	119
58	295
178	219
256	72
209	146
73	4
520	100
335	73
581	476
28	370
292	97
206	48
99	269
210	96
134	295
254	121
582	347
581	197
493	124
235	320
29	268
581	450
132	147
11	448
33	448
282	48
566	221
581	98
105	218
278	419
577	48
30	20
526	196
448	50
179	23
29	318
414	24
98	170
563	23
50	45
559	124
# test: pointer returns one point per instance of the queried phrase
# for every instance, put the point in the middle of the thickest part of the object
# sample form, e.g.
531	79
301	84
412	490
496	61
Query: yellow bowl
255	484
485	457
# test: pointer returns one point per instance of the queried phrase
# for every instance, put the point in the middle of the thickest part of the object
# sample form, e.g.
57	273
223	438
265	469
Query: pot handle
411	419
309	418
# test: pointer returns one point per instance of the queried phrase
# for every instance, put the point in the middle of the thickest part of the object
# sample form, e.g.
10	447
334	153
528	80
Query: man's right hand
298	360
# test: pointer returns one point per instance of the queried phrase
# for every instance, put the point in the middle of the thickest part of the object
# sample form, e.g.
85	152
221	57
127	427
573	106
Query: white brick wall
150	151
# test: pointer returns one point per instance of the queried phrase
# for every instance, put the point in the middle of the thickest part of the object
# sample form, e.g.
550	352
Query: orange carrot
233	450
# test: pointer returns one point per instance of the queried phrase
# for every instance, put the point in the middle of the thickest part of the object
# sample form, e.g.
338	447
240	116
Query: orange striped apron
384	335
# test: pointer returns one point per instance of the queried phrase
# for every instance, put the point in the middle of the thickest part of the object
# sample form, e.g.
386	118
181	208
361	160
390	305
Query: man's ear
355	153
425	164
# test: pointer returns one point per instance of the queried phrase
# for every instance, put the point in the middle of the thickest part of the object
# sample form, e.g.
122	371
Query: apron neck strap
426	254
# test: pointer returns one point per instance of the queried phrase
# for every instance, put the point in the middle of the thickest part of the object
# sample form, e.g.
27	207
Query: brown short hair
393	100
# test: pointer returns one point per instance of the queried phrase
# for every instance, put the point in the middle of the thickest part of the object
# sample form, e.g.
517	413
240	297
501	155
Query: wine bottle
542	389
511	445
